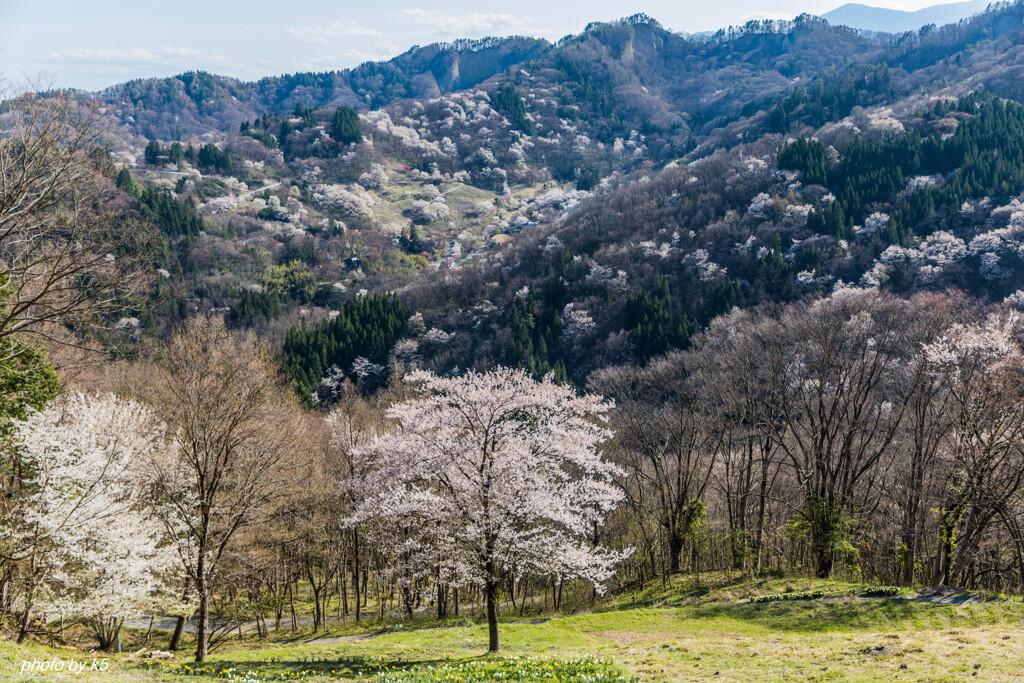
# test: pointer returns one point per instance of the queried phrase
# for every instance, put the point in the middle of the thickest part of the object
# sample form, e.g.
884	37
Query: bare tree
832	370
916	486
66	252
983	366
726	370
353	423
236	432
664	444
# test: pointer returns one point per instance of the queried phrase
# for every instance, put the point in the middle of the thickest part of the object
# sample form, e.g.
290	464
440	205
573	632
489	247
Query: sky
90	45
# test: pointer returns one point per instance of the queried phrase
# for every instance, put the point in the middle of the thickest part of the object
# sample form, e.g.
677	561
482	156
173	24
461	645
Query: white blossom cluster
798	213
872	224
575	321
436	337
351	200
993	246
707	270
375	178
430	211
882	122
986	345
561	198
651	248
932	257
87	453
405	136
486	472
760	204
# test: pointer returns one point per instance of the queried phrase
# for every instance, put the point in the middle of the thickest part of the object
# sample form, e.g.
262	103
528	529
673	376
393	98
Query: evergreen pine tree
345	126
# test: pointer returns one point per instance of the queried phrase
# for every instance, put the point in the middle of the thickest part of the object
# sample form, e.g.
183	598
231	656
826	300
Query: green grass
581	670
681	631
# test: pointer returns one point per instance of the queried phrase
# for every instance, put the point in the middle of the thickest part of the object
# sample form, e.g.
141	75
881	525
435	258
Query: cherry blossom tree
84	496
501	472
982	364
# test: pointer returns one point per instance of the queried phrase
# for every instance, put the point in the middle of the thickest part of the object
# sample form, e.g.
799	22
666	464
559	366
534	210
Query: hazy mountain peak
869	18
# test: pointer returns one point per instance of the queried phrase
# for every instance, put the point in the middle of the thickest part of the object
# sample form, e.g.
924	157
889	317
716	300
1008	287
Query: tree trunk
492	613
910	521
762	497
355	571
25	621
343	590
202	627
179	628
949	520
108	632
823	531
910	543
316	602
947	544
291	605
675	548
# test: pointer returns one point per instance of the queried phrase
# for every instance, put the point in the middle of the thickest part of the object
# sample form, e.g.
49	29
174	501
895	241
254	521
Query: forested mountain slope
633	70
589	203
196	102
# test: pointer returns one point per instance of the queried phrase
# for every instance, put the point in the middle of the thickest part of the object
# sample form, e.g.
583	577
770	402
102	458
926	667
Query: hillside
631	69
610	344
198	102
657	633
625	163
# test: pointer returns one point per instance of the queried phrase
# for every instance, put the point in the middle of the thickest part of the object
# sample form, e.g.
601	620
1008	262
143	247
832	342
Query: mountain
624	75
883	19
197	101
791	253
564	207
630	73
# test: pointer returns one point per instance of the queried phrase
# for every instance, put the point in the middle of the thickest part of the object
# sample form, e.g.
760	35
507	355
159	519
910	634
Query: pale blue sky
90	44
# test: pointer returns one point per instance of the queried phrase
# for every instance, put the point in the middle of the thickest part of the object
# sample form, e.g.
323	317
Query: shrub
802	595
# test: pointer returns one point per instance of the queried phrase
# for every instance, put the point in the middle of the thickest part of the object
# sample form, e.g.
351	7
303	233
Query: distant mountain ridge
661	74
885	20
619	76
197	100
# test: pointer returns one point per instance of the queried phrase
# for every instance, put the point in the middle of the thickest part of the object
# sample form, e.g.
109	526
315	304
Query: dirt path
369	636
250	193
943	595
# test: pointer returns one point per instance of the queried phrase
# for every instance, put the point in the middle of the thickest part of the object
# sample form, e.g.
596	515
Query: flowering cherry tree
982	365
92	551
501	472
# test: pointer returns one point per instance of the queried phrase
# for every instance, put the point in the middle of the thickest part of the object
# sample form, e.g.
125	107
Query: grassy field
677	633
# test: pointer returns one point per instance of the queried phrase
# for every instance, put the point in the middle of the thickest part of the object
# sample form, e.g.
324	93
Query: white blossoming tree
501	472
982	366
92	551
